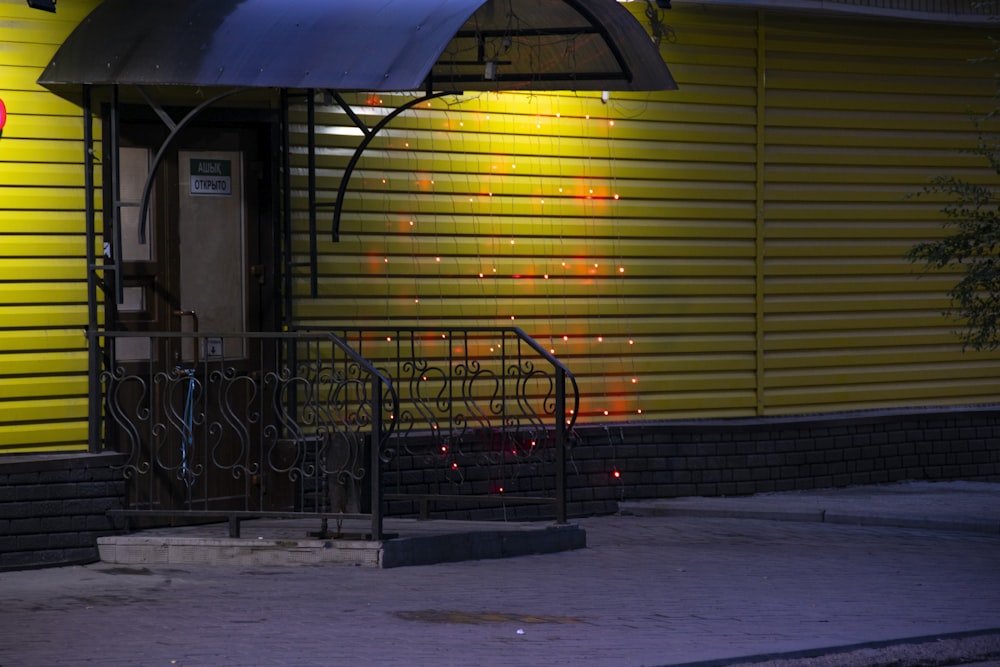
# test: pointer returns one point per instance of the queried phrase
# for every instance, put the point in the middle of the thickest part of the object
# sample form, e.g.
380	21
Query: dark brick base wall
52	508
745	456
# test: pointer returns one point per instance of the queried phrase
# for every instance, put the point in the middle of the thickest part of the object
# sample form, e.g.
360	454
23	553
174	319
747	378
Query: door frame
256	135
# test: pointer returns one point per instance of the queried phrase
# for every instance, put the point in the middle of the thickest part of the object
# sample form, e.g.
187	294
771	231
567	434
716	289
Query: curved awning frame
176	127
369	135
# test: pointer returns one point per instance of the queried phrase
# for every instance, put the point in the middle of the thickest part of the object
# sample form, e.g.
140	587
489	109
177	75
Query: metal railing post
560	446
376	459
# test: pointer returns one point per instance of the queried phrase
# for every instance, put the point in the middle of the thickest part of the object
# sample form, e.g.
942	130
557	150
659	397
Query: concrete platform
273	542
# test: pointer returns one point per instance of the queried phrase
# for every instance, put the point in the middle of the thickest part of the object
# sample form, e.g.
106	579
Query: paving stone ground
648	590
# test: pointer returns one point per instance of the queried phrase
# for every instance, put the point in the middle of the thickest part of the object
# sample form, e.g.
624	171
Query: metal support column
286	210
93	343
313	250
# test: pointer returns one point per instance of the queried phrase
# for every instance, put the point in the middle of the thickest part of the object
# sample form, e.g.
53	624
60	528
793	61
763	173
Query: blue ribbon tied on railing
187	435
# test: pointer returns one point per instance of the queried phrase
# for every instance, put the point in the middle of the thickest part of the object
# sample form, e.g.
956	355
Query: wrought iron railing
485	416
336	424
246	425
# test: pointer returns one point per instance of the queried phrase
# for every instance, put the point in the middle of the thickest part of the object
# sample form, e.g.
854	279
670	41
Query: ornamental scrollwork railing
248	424
345	423
485	417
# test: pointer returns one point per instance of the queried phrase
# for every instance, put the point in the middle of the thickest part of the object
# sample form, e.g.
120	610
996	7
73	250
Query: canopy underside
360	45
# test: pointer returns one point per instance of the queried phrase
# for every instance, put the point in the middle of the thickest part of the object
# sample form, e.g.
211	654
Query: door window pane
134	300
134	170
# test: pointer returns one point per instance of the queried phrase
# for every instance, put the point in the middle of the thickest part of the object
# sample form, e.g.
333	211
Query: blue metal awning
360	45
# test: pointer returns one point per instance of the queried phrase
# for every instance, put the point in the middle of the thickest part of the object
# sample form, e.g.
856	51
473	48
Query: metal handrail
518	331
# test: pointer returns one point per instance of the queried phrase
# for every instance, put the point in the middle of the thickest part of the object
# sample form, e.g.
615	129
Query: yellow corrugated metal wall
729	249
43	297
856	118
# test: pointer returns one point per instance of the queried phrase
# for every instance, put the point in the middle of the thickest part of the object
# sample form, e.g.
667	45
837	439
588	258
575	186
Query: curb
954	648
660	508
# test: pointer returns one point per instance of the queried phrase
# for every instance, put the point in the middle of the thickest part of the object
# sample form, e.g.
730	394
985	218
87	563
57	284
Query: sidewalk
647	590
966	506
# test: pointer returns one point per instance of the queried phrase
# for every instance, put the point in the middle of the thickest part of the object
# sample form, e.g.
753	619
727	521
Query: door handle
189	313
257	271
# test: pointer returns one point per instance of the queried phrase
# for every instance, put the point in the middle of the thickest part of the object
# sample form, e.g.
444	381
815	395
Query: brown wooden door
189	410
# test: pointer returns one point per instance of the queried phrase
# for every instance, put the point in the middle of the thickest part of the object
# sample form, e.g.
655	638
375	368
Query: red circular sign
3	115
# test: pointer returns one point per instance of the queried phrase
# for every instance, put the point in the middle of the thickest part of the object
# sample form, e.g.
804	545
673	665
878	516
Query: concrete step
288	542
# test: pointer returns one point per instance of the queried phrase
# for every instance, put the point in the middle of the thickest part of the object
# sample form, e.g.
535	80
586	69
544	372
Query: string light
539	244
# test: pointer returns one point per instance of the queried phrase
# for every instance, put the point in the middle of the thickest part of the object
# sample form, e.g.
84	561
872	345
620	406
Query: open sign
3	115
